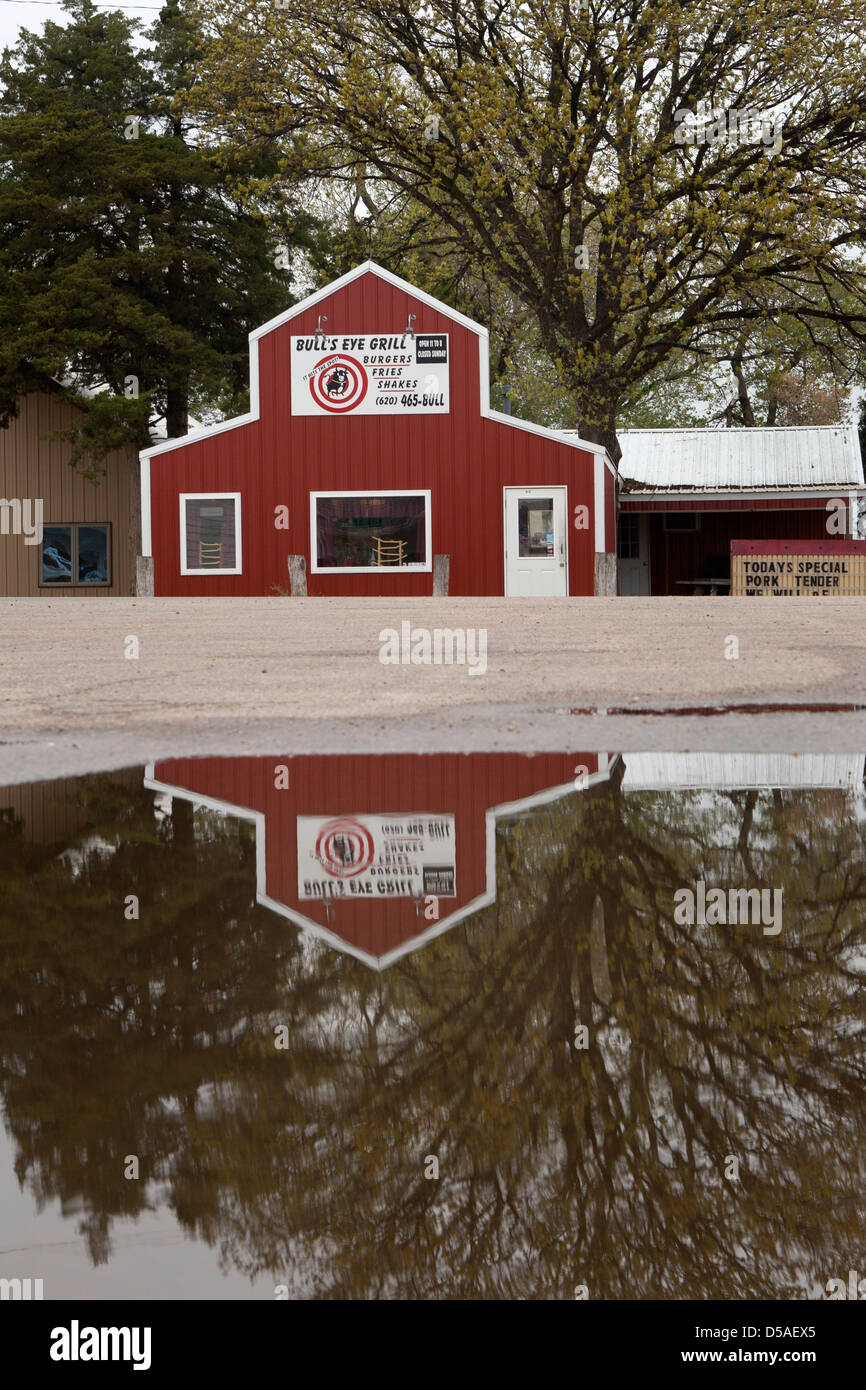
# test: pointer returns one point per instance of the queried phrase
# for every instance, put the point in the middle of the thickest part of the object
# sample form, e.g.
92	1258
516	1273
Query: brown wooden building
89	528
57	813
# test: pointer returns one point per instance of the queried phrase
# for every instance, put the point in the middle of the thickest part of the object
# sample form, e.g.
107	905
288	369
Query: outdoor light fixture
320	332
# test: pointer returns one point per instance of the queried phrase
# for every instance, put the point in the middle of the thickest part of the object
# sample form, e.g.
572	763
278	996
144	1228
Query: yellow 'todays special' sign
799	569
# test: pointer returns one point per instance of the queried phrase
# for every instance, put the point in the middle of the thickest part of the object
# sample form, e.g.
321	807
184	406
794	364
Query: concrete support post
298	576
144	576
441	575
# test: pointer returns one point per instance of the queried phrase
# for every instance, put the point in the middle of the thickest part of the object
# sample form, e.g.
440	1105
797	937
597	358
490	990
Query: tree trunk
177	387
597	423
177	410
742	388
134	528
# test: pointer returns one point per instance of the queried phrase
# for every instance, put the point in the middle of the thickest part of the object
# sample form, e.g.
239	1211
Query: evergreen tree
135	257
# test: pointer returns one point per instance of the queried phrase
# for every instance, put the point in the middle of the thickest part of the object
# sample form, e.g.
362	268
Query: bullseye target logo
338	384
344	848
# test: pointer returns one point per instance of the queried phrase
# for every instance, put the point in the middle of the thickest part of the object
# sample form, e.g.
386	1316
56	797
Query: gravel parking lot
213	675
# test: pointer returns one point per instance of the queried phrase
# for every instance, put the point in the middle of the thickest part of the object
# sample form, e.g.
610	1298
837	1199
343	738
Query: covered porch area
685	495
685	548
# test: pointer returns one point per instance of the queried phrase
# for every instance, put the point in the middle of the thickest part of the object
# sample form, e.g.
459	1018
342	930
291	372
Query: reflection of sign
344	848
810	569
370	374
400	856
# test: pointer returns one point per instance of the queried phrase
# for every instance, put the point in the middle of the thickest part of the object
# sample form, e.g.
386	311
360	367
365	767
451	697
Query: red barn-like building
370	447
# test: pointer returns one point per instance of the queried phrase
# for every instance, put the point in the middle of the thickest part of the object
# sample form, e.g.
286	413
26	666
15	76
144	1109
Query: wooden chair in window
388	552
209	554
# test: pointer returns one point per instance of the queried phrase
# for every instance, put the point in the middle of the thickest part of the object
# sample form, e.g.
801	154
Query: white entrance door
535	559
633	553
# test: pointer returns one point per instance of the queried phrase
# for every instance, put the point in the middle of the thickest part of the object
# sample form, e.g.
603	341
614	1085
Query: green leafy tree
550	145
767	370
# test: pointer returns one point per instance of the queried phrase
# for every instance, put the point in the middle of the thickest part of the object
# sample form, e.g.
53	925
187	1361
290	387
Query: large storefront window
210	533
388	530
74	554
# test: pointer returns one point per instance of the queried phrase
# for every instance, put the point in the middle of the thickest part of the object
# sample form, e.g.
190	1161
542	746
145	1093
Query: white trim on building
213	571
253	414
424	568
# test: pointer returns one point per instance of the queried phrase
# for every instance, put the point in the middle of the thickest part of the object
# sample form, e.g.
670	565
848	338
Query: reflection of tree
559	1165
110	1028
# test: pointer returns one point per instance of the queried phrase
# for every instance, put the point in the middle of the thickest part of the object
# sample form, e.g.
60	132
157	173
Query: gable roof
368	268
741	460
371	268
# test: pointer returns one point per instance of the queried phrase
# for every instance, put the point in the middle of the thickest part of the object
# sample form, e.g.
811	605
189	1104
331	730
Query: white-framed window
370	532
210	533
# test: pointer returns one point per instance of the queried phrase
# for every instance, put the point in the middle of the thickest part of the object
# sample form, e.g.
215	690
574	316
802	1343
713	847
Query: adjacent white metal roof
736	771
798	456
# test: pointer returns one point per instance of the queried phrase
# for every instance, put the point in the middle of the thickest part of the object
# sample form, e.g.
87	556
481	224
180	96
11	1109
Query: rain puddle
473	1026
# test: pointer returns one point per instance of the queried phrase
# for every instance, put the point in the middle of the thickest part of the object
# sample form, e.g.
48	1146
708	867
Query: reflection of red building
356	848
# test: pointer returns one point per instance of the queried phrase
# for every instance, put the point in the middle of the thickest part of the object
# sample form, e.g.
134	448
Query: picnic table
698	586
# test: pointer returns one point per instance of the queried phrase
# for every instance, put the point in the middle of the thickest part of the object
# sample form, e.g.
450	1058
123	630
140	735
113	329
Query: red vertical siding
463	458
682	554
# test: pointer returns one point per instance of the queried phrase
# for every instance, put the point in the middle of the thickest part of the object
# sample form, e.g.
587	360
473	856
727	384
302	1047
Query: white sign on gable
371	374
375	857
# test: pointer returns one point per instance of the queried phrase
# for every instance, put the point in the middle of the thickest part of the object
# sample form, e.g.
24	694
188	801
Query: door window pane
629	536
210	533
57	555
93	554
371	532
535	526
